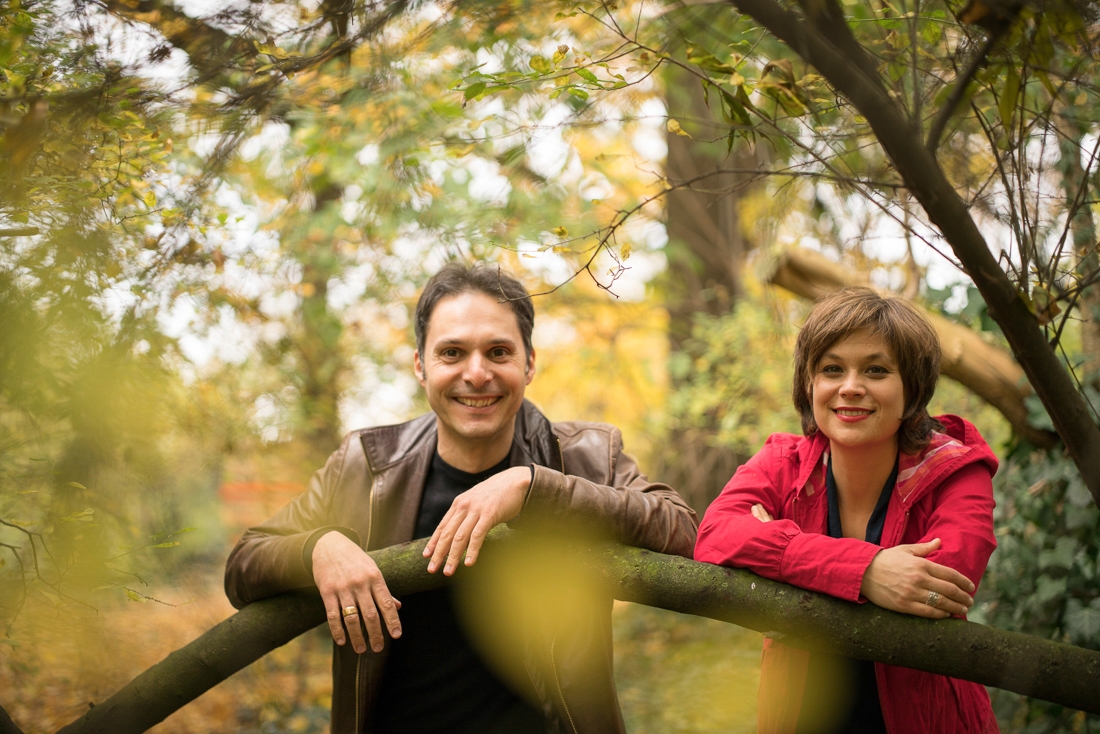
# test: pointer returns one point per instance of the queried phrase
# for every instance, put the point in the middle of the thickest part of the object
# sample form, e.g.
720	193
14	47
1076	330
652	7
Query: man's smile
477	402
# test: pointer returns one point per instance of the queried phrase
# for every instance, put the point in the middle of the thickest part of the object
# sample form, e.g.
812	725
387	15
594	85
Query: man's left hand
473	514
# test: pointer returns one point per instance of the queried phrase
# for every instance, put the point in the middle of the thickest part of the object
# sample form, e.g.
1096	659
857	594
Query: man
482	457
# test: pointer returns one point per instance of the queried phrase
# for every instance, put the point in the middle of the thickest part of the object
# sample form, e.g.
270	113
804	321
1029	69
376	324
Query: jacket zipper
557	683
359	658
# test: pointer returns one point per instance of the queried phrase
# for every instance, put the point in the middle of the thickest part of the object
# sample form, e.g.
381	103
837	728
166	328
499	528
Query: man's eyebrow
454	341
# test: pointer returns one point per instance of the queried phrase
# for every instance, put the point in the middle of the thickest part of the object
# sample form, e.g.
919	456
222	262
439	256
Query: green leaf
78	485
588	76
133	595
1061	556
168	544
1083	622
474	90
579	93
540	64
1006	105
1048	589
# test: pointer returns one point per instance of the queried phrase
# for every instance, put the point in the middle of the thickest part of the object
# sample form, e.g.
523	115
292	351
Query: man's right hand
349	578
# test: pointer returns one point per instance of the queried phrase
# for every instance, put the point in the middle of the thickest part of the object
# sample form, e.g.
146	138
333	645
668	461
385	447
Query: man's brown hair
456	278
914	343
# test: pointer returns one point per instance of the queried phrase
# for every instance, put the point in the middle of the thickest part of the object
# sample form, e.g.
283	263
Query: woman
876	502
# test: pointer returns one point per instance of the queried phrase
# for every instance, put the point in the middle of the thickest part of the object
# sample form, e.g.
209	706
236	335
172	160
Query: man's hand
900	579
473	514
349	578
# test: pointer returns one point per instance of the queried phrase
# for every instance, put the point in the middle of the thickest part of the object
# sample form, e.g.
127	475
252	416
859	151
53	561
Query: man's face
474	371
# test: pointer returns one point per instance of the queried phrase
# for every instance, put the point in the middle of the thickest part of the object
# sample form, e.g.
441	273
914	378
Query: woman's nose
852	384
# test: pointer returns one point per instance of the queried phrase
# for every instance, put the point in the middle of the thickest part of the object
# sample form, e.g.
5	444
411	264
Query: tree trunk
706	251
983	368
1075	188
1031	666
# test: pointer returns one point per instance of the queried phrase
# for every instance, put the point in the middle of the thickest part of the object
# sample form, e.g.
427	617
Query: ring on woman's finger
350	610
933	599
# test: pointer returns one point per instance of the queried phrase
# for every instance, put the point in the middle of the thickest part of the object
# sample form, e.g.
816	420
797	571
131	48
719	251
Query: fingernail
448	570
396	633
431	567
340	640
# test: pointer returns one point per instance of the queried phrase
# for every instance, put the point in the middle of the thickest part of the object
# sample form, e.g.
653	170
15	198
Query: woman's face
857	393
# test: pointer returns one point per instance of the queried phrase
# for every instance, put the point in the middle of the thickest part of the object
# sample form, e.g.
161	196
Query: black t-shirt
846	687
434	681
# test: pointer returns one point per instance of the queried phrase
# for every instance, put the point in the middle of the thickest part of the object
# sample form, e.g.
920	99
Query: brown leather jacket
370	490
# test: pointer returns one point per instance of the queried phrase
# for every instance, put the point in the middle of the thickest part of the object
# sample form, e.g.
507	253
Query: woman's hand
900	579
760	513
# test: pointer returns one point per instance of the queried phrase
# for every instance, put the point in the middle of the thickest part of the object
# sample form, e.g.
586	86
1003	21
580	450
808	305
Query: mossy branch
1027	665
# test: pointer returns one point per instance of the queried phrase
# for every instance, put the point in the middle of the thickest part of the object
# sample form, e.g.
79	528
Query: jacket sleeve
960	513
606	490
730	536
271	558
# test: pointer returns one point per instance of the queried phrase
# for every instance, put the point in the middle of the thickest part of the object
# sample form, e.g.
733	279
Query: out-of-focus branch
1021	663
983	368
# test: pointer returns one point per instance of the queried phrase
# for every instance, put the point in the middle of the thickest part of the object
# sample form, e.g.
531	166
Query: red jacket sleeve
960	513
730	536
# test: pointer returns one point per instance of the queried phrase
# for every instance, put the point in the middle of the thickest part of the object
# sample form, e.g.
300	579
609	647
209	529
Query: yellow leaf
736	79
674	127
133	596
560	231
527	254
78	485
624	251
149	198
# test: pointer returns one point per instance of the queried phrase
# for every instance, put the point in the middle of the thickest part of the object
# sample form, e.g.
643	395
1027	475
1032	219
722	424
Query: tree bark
983	368
7	726
1028	665
827	46
707	244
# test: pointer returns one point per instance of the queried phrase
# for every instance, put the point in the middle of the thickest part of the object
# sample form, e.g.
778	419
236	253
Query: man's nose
478	370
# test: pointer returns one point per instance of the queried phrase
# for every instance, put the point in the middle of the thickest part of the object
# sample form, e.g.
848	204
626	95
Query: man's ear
418	367
530	366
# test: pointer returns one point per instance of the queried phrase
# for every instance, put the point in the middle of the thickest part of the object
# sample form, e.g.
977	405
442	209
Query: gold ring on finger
350	610
933	599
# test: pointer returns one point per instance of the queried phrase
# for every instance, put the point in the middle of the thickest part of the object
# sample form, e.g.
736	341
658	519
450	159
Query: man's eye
499	353
449	353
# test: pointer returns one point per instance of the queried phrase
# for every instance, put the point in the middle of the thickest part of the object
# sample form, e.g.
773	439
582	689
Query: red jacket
943	492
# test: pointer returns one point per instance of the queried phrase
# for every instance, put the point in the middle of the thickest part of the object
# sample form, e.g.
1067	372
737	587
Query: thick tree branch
1029	665
7	726
948	212
983	368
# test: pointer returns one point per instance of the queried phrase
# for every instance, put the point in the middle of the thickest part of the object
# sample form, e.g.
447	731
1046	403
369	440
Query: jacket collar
534	441
959	444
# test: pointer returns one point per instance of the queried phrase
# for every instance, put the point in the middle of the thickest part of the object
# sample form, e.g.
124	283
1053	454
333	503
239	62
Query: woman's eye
877	370
831	369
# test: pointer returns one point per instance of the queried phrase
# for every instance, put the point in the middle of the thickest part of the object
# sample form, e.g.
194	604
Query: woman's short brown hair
916	350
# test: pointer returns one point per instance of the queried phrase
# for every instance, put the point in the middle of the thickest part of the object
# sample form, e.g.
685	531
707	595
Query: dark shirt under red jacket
944	492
